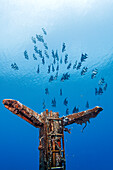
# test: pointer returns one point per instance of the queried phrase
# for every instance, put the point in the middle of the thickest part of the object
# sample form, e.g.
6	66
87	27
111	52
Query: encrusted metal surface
52	154
82	117
24	112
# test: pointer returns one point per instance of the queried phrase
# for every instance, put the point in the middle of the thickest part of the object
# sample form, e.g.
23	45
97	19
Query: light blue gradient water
85	26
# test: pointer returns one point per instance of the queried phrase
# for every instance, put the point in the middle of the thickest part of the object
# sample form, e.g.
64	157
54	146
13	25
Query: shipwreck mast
51	135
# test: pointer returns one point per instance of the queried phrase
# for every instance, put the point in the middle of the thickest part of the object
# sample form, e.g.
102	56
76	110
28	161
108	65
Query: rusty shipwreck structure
51	144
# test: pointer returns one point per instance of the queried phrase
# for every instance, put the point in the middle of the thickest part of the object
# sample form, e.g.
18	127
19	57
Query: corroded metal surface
82	117
24	112
52	154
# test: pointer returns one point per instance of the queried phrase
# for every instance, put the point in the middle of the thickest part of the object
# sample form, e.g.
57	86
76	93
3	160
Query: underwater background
85	26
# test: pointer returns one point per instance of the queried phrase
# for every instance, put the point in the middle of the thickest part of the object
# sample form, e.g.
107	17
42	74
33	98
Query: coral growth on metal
37	119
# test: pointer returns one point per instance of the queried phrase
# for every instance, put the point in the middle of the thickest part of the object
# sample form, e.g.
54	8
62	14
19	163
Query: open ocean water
85	26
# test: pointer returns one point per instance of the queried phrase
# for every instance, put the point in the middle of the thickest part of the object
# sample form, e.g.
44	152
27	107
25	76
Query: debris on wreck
51	135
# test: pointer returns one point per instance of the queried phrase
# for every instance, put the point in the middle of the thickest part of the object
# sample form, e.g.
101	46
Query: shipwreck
51	134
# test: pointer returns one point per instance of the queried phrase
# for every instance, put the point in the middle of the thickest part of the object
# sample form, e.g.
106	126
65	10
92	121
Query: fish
67	111
40	38
49	67
94	73
100	91
78	66
53	69
65	101
44	106
46	54
69	66
74	66
84	70
53	103
83	57
66	59
33	40
61	60
38	70
63	47
46	91
45	45
56	76
51	78
43	60
57	67
26	55
75	110
36	49
44	31
87	105
105	87
101	81
96	91
65	76
60	92
34	56
40	53
56	55
14	66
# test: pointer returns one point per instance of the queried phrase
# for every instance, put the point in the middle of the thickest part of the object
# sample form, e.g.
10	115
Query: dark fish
67	111
45	45
63	47
38	70
78	66
54	61
65	101
33	40
43	61
65	76
40	38
60	92
68	67
100	91
14	66
94	73
105	87
56	55
83	57
84	70
53	54
36	49
51	78
34	56
66	58
57	67
75	110
101	81
46	54
44	106
56	76
87	105
44	31
40	53
26	55
61	60
96	91
74	66
53	69
46	91
49	69
53	103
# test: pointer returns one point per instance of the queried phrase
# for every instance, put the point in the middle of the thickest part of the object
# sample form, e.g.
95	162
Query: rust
52	150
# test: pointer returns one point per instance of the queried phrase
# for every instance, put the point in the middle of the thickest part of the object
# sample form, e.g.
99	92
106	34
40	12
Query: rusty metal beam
24	112
81	117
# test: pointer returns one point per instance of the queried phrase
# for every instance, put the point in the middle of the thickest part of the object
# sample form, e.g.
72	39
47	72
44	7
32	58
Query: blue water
85	27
